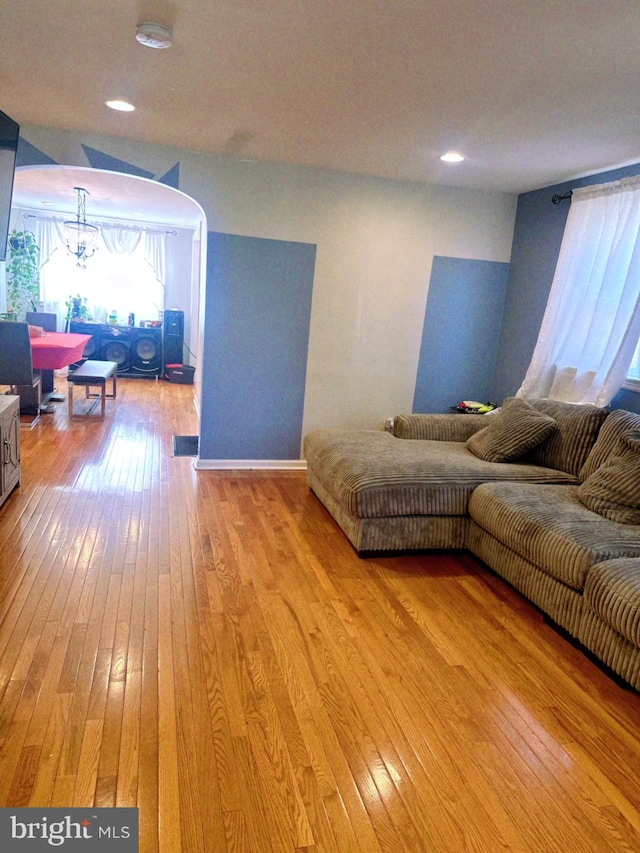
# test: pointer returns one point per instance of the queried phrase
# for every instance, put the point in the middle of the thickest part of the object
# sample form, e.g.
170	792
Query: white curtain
120	240
48	238
591	324
154	253
117	278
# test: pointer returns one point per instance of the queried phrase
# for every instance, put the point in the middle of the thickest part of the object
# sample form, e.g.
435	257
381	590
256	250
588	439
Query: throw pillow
516	430
613	491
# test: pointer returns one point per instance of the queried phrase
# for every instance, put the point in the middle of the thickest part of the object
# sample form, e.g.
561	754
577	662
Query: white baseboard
248	464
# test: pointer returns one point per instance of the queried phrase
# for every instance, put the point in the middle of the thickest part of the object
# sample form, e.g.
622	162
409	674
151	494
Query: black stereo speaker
115	345
172	337
146	352
92	347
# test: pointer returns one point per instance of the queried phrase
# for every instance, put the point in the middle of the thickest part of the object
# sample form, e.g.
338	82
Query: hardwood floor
208	646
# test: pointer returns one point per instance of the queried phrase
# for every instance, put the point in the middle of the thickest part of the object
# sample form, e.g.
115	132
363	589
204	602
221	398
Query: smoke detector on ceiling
154	35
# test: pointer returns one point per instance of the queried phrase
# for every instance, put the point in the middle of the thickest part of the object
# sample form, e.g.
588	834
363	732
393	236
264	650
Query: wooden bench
93	374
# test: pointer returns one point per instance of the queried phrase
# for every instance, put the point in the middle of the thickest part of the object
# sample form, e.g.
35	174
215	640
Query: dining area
30	353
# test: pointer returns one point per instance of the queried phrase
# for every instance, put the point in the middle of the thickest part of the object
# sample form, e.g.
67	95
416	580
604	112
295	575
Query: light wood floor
207	646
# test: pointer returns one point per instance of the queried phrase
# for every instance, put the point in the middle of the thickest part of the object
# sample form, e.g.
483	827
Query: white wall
178	282
375	243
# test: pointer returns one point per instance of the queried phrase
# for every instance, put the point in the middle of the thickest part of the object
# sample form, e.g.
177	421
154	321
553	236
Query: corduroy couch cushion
516	429
551	528
618	424
372	474
438	427
612	591
568	447
613	491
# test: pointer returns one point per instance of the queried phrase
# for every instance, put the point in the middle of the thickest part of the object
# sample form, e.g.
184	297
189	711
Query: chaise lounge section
390	495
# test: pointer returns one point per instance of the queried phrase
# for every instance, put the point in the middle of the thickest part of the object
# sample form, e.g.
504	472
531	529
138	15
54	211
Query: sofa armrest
434	427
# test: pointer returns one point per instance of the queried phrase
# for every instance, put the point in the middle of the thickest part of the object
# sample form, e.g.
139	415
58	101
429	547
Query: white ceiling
533	92
111	195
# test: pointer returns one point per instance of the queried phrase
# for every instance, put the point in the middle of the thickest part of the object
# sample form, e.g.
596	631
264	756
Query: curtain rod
112	224
556	199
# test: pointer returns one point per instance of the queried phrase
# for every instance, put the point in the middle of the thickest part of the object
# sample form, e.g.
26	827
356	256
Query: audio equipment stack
172	338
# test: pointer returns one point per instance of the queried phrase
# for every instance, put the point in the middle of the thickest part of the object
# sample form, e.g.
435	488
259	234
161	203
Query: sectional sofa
547	494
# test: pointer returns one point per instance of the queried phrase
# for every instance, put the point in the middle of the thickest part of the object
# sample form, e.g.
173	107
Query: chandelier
82	234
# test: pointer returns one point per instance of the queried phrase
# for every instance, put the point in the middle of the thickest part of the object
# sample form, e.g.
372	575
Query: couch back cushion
568	447
618	424
614	489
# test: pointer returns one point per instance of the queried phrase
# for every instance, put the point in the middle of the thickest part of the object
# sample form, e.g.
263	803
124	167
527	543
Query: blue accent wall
461	332
172	177
29	155
629	400
538	233
100	160
258	308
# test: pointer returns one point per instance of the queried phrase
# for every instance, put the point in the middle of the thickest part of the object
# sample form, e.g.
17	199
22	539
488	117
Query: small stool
93	373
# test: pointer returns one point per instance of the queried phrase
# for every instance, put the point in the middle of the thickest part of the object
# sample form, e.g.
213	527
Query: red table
52	351
55	350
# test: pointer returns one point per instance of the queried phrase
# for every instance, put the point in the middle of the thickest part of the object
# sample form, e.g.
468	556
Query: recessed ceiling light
154	35
452	157
121	106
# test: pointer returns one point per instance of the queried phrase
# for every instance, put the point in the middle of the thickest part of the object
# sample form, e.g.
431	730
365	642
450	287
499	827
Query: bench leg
102	385
93	382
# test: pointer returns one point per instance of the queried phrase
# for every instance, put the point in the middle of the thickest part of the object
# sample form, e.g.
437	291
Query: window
592	323
125	283
633	376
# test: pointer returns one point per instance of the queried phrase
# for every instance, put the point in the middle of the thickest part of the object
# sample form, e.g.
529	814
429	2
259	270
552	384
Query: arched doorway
47	192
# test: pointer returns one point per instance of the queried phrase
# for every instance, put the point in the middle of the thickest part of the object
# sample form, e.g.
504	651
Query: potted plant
77	308
23	273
